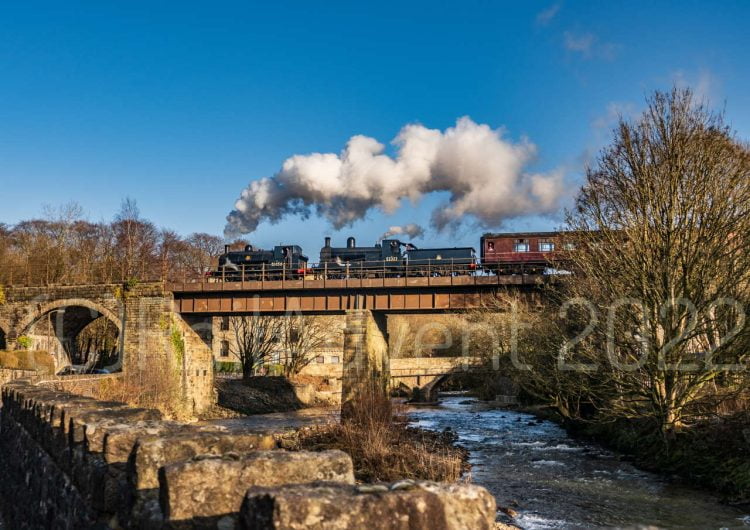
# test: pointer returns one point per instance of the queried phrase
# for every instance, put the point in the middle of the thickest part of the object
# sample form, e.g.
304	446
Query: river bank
550	479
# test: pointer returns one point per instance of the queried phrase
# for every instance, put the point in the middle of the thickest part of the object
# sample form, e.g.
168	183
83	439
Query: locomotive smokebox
328	242
351	242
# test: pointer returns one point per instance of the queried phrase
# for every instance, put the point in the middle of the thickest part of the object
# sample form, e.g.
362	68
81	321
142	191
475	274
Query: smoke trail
412	230
483	172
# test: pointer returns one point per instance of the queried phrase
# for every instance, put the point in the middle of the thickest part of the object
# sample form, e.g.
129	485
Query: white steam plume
412	230
483	172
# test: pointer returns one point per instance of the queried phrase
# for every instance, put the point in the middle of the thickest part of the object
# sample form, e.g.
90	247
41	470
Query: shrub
227	367
24	342
44	361
28	360
383	447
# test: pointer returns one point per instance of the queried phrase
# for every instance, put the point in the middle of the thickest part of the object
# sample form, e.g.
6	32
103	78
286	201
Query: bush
227	367
24	342
383	447
148	388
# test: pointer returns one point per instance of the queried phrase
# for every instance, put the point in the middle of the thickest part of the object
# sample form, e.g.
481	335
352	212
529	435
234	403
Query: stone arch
65	319
43	309
429	392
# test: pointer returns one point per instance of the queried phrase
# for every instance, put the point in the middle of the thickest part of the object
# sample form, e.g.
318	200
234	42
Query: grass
383	447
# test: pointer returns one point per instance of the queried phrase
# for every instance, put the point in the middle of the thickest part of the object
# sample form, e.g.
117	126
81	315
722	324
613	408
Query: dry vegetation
383	447
153	389
28	360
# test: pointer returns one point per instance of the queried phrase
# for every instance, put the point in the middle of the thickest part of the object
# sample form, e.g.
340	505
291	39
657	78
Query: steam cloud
483	173
412	230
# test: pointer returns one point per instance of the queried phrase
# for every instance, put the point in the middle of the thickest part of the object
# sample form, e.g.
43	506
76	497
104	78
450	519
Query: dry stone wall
69	462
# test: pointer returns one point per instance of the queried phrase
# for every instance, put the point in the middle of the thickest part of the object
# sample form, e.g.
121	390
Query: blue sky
180	105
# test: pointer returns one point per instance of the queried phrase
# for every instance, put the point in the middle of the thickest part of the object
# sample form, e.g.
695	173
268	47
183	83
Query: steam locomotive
283	262
386	259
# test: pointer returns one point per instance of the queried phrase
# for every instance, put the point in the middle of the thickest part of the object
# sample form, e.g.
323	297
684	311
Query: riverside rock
427	505
214	486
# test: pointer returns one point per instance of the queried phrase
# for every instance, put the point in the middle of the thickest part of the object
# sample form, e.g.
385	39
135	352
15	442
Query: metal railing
44	274
355	270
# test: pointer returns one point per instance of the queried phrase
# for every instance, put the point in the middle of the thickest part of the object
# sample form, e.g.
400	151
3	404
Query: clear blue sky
179	105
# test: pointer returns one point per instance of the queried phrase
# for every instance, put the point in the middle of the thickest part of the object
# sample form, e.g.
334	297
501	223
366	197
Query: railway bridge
152	318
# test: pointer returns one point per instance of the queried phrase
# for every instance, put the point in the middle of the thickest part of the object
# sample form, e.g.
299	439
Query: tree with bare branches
255	339
661	229
301	336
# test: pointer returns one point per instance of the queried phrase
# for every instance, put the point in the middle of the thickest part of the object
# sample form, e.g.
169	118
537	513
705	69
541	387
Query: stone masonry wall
152	335
69	462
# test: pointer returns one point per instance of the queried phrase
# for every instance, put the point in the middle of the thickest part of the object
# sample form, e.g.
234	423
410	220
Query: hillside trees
64	247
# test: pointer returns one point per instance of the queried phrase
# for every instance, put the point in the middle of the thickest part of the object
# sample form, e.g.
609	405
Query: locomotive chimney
351	242
328	242
226	249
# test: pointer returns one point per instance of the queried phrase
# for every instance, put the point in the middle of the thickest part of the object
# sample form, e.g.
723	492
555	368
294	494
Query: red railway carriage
519	253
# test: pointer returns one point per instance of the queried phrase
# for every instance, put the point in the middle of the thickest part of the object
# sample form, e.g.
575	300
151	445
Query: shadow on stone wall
259	395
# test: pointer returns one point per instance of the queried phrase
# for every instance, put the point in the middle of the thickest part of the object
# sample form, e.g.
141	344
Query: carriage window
335	359
569	246
491	245
320	359
546	246
521	245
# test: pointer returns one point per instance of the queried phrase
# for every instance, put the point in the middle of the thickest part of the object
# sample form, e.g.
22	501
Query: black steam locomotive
387	259
283	262
384	257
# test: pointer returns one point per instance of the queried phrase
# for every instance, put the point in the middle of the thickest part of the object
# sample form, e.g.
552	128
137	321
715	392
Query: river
554	481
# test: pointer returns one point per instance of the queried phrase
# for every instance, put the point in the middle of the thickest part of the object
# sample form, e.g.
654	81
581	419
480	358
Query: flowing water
554	481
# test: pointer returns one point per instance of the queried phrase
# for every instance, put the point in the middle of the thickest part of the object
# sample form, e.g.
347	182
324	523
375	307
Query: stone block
405	505
152	453
209	488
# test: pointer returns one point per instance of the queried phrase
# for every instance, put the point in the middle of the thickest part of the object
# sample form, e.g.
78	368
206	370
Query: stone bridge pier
367	363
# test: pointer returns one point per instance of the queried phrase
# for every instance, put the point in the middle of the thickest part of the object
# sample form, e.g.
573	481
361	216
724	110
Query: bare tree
136	241
661	229
255	339
204	249
301	336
